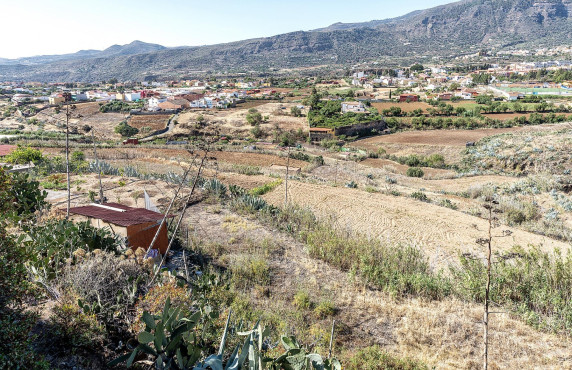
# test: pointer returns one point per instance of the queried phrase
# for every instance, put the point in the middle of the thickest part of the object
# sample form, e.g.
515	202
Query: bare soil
154	122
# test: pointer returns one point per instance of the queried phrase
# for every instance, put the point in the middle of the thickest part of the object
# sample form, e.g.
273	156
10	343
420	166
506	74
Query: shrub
447	203
253	117
256	131
324	309
535	284
515	216
53	244
302	300
105	284
16	323
295	111
401	270
24	155
246	170
55	181
419	195
70	326
352	185
415	172
78	156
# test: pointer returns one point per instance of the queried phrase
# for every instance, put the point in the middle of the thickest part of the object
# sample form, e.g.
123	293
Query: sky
40	27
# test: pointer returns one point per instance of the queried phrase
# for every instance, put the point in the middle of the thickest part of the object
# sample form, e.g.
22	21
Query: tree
314	98
483	99
125	130
253	117
295	111
417	67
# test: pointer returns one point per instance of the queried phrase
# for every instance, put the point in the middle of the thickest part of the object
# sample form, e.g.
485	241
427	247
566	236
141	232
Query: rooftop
117	214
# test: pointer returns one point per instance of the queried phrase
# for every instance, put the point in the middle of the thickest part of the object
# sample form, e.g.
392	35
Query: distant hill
447	31
135	47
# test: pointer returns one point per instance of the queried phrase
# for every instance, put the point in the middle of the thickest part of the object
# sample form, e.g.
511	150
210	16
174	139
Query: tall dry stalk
491	205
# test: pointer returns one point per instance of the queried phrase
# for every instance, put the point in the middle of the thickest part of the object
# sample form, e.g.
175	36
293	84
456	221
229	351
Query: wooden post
287	168
487	291
332	338
99	172
68	159
336	175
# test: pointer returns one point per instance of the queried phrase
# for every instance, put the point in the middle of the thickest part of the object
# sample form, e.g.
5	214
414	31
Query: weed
325	309
302	300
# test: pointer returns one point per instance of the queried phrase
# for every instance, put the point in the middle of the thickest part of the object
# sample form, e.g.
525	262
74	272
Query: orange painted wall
141	236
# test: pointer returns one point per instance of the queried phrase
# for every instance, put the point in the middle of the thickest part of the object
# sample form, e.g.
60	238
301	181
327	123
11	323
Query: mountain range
445	31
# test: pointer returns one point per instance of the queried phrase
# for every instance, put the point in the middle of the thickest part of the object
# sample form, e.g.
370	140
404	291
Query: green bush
125	130
401	270
78	156
415	172
254	117
24	155
302	300
54	242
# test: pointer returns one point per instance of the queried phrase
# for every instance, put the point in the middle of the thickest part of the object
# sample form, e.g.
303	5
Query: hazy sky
35	27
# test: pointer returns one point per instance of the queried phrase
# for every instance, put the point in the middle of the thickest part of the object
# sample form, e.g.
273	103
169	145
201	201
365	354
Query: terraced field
440	232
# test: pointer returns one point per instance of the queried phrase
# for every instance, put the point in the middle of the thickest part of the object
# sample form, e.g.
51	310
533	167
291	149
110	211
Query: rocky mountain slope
448	30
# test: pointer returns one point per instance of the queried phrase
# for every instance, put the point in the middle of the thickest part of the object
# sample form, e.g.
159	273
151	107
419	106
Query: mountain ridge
445	31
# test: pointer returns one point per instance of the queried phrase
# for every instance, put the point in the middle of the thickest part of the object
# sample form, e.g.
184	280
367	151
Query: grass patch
261	190
246	170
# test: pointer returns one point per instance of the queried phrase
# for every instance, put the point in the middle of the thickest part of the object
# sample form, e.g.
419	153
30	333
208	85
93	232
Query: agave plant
252	202
215	187
103	167
130	171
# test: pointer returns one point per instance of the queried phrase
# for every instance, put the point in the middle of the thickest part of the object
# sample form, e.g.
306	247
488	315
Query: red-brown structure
137	225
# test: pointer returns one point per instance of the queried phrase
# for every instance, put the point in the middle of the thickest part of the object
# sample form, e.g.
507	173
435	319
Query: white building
354	107
132	96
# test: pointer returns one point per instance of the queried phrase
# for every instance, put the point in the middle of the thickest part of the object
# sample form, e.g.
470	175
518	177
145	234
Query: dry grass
440	232
446	334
